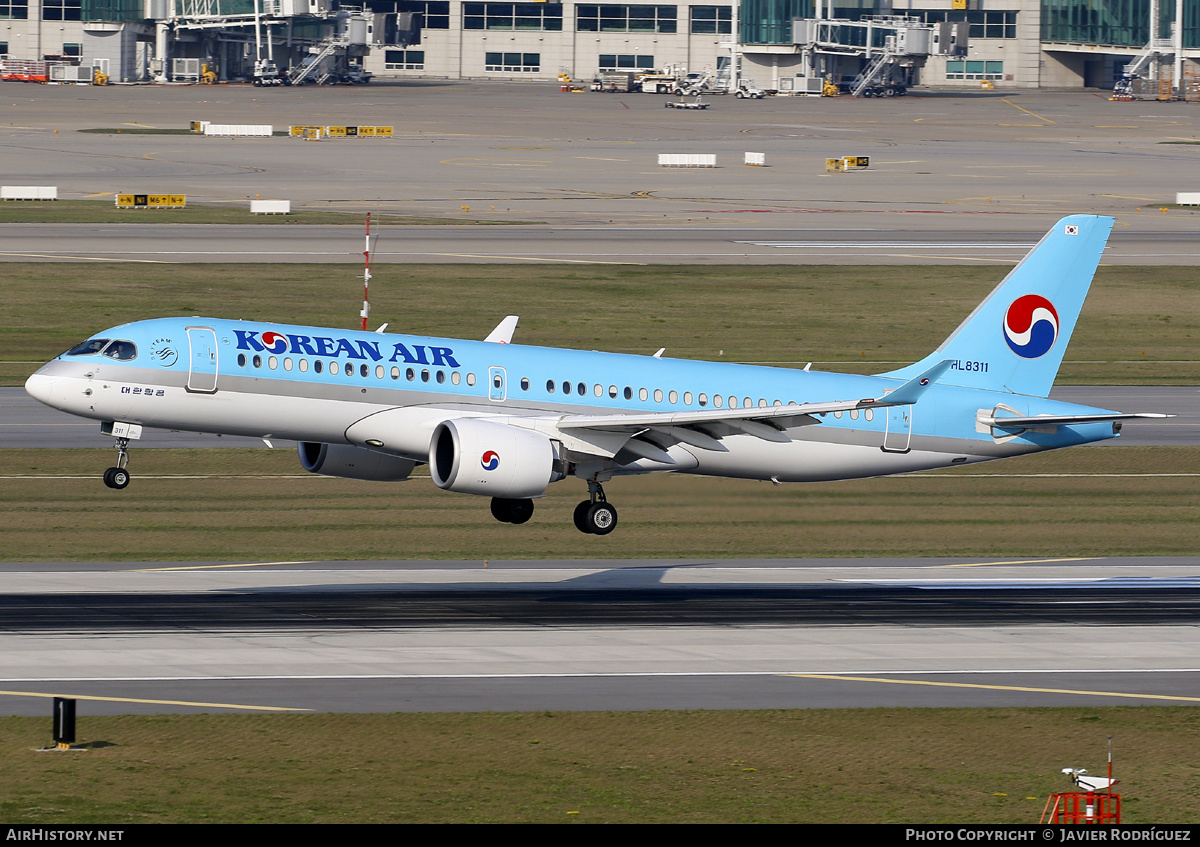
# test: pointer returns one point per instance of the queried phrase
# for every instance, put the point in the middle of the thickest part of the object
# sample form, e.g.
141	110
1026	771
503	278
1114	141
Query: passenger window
95	345
424	375
658	395
717	400
410	374
258	361
687	398
612	392
303	365
378	371
470	379
869	414
287	363
241	360
703	400
524	383
549	386
854	414
674	397
732	402
628	393
316	366
566	388
642	394
598	390
582	389
441	377
272	363
349	369
455	377
395	372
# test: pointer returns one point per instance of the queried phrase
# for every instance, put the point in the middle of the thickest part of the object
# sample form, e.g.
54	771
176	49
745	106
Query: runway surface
26	423
699	244
388	636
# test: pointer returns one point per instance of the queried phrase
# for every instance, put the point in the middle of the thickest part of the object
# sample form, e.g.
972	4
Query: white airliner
505	421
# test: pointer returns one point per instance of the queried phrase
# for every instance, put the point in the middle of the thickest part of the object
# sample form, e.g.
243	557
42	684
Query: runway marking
101	194
155	702
997	687
86	258
532	259
1026	111
1022	562
215	567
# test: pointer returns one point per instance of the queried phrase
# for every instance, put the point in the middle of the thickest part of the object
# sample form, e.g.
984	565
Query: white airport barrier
270	207
757	159
28	192
687	160
239	130
1187	198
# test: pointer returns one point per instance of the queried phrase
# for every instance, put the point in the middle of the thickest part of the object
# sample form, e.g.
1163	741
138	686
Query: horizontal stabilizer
1064	420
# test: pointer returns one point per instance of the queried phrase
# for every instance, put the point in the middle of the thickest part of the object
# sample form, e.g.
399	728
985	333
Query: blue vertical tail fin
1015	339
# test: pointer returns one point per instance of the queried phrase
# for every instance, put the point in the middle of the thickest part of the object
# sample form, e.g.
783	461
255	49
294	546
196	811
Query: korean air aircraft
505	421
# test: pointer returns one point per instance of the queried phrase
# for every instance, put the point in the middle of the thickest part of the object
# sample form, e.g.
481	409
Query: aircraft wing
702	428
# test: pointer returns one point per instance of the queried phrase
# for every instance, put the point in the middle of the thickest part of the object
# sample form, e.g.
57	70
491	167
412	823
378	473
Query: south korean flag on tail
1072	229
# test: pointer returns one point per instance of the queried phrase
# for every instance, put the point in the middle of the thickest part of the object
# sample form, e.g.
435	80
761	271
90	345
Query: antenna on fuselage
366	309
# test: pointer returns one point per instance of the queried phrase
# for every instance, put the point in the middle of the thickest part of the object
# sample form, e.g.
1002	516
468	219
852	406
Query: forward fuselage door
202	360
497	384
899	429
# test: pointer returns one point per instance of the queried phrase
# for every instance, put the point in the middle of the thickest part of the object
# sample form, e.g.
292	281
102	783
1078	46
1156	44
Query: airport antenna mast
366	309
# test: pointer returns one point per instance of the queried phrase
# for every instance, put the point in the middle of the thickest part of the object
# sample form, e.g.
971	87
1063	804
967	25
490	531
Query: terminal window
14	10
404	60
611	18
712	20
62	10
974	70
546	17
625	62
983	24
516	63
3	49
435	14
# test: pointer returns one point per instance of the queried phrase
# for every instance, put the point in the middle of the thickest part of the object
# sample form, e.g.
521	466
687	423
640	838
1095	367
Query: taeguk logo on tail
1031	326
490	460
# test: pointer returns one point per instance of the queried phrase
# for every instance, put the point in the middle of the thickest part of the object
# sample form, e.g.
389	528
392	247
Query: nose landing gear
595	516
118	477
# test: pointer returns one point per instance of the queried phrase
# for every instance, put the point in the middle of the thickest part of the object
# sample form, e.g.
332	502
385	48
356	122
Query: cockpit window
122	351
94	345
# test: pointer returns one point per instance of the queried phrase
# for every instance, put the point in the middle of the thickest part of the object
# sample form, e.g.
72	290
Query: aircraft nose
41	388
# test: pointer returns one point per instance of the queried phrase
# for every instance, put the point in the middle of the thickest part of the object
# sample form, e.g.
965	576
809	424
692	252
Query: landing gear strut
118	477
595	516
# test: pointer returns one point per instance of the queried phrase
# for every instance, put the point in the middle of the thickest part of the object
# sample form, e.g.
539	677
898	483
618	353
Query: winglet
504	330
912	390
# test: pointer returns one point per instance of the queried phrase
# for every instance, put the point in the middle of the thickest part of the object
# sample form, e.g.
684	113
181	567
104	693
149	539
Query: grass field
1140	325
258	505
105	212
871	766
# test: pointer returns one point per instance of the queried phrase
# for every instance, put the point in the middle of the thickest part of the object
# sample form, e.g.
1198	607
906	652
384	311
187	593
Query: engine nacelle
353	462
475	456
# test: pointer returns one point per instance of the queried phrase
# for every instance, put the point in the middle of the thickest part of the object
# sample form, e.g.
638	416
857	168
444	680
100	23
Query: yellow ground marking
215	567
143	126
1021	562
88	259
948	258
1127	197
1026	111
995	687
101	194
155	702
533	259
1116	126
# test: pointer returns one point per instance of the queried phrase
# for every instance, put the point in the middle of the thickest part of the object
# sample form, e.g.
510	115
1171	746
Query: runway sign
151	201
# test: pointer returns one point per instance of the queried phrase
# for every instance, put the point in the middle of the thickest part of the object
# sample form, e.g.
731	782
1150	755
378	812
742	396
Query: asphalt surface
387	636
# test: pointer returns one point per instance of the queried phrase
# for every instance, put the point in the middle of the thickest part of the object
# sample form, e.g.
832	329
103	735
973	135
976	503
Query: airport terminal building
1012	43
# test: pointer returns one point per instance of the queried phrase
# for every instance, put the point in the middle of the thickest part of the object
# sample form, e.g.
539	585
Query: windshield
121	350
87	348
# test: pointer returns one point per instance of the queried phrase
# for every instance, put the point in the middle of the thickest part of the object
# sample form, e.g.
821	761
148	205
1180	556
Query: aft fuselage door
899	429
497	384
202	360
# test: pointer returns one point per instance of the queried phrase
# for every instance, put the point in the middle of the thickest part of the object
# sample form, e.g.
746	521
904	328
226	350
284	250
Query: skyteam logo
1031	326
490	460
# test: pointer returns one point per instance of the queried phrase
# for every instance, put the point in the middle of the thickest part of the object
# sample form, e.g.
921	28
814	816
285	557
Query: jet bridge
882	51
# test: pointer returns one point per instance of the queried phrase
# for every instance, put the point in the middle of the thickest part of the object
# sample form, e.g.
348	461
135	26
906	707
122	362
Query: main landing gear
595	516
118	477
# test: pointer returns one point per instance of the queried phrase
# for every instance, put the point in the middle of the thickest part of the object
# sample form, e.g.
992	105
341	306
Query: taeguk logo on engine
490	460
1031	326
